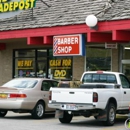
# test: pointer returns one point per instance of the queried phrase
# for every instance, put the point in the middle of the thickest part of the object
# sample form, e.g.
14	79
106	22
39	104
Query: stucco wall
78	67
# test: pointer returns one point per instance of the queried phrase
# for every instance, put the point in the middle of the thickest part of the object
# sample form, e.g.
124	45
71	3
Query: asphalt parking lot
13	121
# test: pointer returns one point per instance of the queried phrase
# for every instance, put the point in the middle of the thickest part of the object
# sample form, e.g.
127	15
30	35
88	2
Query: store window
25	53
30	63
24	67
41	63
98	58
60	68
24	63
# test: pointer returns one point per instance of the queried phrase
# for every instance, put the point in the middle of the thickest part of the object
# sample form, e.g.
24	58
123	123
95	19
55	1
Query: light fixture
127	48
91	21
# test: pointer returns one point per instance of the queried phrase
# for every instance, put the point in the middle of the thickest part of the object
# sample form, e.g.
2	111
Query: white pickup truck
102	94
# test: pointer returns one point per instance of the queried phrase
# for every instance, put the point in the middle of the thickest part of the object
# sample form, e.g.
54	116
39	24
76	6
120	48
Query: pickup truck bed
86	96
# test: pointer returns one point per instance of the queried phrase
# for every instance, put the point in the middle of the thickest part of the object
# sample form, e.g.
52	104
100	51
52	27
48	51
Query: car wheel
3	113
66	118
38	111
111	115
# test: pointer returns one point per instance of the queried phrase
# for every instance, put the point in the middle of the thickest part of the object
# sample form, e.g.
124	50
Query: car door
125	91
46	84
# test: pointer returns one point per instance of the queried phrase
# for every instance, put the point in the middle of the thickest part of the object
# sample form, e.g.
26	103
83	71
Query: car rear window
21	83
55	83
99	78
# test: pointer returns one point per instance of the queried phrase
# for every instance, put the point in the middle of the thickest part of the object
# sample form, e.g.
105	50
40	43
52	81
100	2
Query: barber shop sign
69	45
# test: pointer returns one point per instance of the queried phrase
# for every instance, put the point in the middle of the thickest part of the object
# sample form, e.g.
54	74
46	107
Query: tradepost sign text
68	45
9	6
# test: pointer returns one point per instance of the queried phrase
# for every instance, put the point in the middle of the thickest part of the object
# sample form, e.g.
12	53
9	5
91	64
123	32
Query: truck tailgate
72	95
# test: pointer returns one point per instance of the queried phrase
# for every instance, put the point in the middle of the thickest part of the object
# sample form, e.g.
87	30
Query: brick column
115	60
78	66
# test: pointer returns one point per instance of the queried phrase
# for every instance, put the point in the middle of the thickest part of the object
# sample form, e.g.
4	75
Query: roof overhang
108	31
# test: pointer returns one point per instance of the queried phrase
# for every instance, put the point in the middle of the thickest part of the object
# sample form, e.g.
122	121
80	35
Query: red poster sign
67	45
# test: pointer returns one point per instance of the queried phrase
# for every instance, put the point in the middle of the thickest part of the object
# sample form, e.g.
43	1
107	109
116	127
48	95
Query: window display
25	67
30	63
41	63
61	68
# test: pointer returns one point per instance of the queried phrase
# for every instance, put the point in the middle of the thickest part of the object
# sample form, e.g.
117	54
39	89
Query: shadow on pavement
77	121
91	122
21	116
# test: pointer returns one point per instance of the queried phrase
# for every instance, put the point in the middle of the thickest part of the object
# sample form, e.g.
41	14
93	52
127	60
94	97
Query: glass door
42	68
42	63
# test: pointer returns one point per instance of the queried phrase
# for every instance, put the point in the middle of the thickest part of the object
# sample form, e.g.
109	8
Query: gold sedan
26	95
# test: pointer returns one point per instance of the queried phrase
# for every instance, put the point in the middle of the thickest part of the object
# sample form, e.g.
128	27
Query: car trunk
8	93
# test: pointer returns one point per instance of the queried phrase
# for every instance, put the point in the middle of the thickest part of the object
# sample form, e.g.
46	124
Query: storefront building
27	39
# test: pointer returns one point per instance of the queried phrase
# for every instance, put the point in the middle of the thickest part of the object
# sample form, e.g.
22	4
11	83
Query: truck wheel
111	115
38	111
3	113
66	118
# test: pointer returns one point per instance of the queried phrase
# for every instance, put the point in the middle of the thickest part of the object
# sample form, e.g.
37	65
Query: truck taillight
50	92
95	97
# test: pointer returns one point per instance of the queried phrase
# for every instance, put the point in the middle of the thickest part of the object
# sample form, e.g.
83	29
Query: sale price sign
68	45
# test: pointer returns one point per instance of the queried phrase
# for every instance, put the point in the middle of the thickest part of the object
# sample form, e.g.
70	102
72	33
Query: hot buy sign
68	45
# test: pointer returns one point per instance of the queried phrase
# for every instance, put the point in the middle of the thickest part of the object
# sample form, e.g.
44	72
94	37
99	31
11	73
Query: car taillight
50	92
95	97
13	95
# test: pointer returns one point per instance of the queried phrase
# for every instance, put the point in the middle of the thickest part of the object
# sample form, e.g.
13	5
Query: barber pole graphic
55	46
68	45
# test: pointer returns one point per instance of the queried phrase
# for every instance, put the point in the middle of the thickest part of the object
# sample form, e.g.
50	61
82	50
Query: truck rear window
99	78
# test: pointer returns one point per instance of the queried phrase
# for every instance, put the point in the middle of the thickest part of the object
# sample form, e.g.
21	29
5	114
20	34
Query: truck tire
38	111
3	113
66	118
111	115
